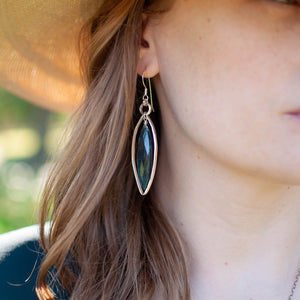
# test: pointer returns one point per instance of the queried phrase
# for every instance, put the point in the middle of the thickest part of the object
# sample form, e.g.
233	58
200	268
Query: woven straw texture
38	50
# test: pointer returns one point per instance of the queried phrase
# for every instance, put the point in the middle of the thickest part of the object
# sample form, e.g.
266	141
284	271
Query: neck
234	224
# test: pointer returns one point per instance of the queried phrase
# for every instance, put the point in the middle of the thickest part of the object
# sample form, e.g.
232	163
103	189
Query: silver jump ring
146	113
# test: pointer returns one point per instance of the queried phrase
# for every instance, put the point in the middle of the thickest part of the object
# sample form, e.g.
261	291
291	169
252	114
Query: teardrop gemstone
144	157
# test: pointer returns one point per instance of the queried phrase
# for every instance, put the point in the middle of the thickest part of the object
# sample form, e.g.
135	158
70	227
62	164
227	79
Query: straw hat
38	56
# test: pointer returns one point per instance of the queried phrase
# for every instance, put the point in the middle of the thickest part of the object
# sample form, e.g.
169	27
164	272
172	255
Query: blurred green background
28	137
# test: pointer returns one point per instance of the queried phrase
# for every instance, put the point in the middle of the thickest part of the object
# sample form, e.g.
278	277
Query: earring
144	145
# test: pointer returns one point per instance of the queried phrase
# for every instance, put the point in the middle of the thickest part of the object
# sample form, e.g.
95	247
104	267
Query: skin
228	173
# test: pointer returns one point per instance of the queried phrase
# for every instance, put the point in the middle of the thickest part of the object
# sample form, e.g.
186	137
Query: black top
20	259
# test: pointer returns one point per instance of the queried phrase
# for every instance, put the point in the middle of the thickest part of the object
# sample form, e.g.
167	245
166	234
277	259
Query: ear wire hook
146	90
146	97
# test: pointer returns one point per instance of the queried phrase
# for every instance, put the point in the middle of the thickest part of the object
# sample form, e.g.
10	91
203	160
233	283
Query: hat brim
39	60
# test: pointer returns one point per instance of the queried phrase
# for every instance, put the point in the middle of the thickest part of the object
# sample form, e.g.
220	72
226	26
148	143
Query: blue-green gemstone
144	157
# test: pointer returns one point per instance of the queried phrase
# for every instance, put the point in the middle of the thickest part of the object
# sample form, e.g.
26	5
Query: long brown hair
105	240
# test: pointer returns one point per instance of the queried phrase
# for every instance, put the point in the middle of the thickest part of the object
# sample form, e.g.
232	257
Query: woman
221	219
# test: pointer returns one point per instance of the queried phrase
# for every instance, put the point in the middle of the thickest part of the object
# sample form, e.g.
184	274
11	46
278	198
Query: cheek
226	85
215	85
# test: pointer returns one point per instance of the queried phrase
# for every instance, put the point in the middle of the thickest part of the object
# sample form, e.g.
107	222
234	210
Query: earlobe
147	55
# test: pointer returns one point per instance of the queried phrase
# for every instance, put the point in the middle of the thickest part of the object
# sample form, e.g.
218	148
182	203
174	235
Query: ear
147	55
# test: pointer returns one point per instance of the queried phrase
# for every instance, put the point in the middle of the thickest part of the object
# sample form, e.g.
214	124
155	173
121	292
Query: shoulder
20	258
13	240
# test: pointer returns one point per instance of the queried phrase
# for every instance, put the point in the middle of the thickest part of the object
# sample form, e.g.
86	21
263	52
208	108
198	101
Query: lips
294	112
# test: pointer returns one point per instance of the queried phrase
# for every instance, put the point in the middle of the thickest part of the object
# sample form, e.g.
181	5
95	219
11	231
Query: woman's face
229	71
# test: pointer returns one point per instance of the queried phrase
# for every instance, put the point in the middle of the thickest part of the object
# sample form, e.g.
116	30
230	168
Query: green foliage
24	151
17	196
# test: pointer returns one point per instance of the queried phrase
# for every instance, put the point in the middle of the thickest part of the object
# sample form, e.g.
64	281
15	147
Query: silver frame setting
133	146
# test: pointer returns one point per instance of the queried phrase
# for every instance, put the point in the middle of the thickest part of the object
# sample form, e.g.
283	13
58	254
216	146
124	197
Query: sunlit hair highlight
105	240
